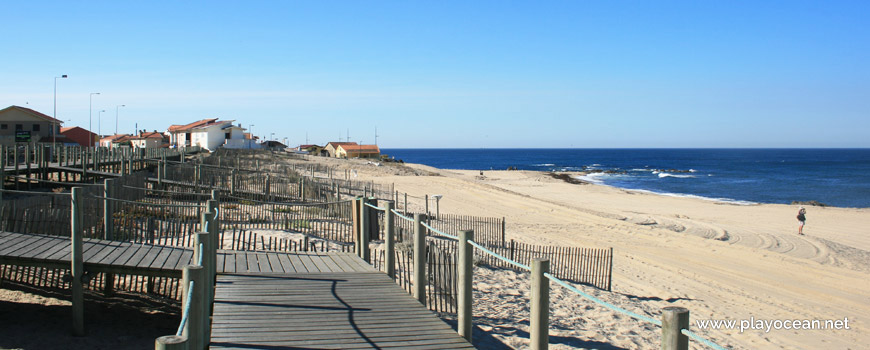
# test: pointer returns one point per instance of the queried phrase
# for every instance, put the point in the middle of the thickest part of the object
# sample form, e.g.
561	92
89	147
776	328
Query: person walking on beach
802	218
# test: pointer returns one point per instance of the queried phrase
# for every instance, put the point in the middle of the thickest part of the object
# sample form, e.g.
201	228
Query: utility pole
376	136
348	136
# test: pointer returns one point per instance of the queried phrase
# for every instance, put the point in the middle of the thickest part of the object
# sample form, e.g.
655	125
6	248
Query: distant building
274	145
151	139
80	136
358	151
313	150
19	125
116	140
332	147
208	134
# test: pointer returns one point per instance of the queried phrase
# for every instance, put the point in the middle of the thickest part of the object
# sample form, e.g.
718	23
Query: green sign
22	136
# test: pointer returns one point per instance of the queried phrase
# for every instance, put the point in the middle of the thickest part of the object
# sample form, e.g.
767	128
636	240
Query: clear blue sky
456	74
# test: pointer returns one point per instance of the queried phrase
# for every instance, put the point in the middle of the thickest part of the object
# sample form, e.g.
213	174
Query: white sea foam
638	169
680	195
693	171
593	178
545	164
664	175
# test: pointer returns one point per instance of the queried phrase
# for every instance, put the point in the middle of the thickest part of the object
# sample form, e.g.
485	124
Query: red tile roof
196	124
149	135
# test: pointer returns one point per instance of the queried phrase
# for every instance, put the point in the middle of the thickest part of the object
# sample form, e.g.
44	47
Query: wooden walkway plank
126	255
323	310
241	262
28	246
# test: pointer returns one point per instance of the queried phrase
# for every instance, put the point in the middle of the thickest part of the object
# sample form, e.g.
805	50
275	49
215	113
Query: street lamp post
54	114
116	117
91	114
251	130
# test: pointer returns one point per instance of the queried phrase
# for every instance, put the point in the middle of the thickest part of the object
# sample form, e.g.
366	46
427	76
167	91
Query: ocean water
836	177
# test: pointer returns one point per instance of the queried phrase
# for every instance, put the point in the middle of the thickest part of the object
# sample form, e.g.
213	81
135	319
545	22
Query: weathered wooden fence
589	266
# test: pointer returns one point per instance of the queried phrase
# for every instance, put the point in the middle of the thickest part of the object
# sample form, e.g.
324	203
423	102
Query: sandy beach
721	261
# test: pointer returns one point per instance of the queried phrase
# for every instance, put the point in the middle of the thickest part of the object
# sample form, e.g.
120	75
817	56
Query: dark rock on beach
810	203
567	178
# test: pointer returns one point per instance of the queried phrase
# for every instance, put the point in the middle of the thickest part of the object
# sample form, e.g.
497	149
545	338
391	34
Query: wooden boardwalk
269	300
349	310
98	255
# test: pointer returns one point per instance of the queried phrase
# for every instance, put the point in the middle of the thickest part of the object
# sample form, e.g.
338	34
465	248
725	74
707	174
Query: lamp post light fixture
91	114
54	127
116	117
251	131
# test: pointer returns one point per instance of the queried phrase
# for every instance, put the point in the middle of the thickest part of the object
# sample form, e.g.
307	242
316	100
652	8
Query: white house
207	133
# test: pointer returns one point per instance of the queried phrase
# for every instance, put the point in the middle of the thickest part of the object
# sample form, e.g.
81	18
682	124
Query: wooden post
502	230
171	342
196	318
426	197
674	320
540	313
2	178
108	209
420	279
389	240
108	228
610	271
160	167
365	230
77	268
354	213
233	182
465	272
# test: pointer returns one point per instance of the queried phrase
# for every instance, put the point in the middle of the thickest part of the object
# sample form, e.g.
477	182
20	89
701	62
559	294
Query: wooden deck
163	261
361	310
269	300
98	255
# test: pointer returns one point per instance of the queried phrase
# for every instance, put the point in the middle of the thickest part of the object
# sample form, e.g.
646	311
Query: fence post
365	230
674	320
610	271
420	258
233	182
171	342
389	240
160	167
502	230
426	198
108	208
197	318
540	314
2	177
77	268
266	190
465	272
108	228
